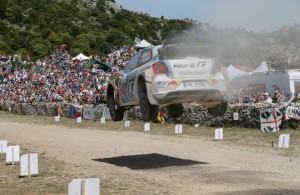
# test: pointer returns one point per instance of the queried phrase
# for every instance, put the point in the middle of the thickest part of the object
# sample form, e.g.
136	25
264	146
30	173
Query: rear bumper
181	96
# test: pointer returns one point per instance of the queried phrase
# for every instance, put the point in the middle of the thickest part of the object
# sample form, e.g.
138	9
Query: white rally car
167	76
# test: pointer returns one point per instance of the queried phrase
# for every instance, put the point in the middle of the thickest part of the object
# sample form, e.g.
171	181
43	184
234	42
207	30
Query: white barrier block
13	154
56	119
3	146
147	127
196	125
90	186
235	116
178	129
127	124
284	141
79	120
29	164
219	134
102	120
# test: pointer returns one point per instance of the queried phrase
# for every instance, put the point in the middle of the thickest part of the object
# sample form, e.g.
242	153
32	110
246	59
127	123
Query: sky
253	15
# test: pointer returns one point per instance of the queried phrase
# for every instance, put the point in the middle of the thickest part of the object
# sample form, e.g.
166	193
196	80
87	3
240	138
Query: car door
142	65
127	83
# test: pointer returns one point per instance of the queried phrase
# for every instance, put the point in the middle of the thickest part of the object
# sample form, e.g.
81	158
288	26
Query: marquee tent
234	71
143	44
81	57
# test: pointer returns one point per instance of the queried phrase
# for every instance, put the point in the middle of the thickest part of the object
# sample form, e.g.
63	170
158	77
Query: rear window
184	51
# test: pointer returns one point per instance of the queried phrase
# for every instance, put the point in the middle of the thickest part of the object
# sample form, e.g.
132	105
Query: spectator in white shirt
267	98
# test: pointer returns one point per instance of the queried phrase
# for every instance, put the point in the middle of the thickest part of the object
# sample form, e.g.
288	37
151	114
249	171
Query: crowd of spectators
118	56
58	78
249	96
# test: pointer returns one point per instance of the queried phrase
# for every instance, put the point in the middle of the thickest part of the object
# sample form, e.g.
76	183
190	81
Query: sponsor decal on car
191	65
167	85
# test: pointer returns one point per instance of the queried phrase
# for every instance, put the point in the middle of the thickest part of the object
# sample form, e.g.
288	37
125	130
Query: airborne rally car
167	76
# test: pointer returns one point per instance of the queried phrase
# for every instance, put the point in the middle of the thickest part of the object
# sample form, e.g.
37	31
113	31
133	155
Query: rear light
159	68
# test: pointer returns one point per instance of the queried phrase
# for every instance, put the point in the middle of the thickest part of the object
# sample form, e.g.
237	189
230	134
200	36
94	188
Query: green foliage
40	26
23	52
40	50
4	48
3	7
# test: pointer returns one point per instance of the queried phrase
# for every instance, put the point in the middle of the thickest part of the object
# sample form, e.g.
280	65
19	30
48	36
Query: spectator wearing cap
267	98
289	98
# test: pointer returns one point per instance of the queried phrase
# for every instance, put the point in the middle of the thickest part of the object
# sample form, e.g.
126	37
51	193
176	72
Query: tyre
116	114
175	110
149	111
218	110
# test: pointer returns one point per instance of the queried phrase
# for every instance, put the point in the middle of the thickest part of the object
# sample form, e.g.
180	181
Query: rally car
167	76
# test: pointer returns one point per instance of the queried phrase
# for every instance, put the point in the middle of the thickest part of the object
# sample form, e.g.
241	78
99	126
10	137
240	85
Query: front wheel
218	110
149	111
116	114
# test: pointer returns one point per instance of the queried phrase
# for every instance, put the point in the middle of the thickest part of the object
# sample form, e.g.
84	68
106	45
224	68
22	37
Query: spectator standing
267	98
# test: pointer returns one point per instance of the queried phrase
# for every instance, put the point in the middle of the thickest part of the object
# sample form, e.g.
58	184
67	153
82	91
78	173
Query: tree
4	48
54	38
113	35
40	50
3	27
3	7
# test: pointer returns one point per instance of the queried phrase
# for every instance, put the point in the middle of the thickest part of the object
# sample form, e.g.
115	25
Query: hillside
38	27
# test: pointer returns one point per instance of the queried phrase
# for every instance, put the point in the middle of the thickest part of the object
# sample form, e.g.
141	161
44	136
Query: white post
219	134
127	124
147	127
29	166
13	153
83	187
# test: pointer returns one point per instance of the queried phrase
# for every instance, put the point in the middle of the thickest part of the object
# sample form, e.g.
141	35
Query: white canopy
143	44
263	67
81	57
234	72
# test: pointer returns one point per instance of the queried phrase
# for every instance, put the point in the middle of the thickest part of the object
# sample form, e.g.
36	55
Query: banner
88	112
270	119
292	112
75	111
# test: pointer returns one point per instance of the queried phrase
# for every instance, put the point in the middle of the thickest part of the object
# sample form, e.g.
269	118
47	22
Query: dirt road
129	162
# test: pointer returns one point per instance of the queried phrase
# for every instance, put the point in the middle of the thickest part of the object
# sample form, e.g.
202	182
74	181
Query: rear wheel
149	111
116	114
175	110
218	110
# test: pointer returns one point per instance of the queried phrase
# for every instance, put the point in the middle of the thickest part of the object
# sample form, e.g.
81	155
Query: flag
270	119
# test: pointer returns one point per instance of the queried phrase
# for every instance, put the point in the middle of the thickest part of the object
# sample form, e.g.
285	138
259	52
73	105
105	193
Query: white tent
81	57
234	72
263	67
143	44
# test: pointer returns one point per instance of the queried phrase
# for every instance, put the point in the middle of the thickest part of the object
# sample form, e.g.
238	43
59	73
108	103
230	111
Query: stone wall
193	114
249	116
